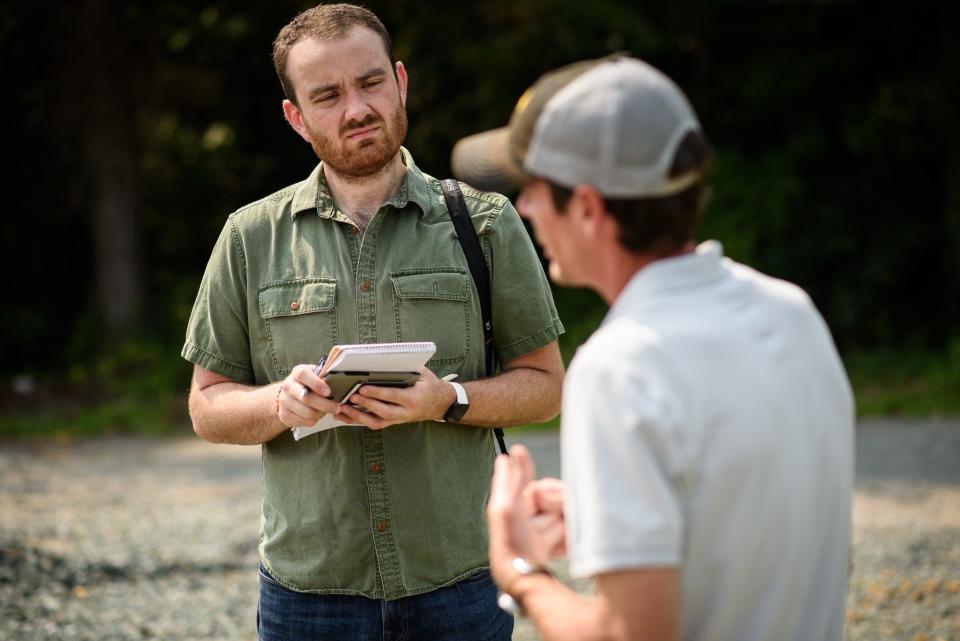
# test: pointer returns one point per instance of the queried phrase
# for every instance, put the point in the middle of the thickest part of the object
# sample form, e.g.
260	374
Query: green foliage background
834	124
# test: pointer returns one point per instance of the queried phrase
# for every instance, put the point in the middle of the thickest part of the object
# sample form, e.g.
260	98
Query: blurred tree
97	82
949	79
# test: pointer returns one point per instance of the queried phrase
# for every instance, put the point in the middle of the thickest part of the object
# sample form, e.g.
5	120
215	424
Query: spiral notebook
367	362
378	357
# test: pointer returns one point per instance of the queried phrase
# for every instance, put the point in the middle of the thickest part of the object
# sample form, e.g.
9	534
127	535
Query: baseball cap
614	123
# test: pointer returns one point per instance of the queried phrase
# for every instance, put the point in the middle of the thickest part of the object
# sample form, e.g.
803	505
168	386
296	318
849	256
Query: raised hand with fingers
512	518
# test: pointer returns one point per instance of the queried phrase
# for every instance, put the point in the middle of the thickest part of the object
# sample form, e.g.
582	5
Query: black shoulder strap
467	236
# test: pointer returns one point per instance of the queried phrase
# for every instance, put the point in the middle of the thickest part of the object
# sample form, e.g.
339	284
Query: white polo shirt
708	425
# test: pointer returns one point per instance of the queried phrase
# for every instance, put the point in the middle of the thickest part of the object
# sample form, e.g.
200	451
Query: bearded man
375	529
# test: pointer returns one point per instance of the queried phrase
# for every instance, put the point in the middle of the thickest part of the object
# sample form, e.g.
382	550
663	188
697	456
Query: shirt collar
703	265
313	193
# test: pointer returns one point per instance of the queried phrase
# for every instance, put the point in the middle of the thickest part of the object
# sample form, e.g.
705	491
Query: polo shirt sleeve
621	467
524	314
217	332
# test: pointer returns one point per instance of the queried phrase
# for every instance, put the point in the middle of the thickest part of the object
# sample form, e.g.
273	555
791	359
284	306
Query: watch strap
461	393
459	407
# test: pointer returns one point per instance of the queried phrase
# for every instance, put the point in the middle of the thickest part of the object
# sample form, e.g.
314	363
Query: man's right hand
544	498
303	398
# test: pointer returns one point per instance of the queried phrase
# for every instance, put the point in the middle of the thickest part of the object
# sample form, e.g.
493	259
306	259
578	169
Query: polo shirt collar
313	193
702	266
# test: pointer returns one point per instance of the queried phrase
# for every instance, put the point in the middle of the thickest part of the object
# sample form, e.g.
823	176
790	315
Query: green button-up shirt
383	514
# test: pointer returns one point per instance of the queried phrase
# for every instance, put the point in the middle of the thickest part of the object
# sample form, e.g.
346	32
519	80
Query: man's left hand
379	407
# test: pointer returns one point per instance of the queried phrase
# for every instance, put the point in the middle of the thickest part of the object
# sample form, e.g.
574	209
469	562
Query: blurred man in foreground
707	425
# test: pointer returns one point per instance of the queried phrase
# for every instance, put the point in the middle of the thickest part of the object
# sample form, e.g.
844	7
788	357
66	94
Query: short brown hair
324	22
658	225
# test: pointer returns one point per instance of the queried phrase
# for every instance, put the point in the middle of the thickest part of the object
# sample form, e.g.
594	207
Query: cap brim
483	161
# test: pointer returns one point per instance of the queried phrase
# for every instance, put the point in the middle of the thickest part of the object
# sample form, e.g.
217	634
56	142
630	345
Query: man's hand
525	517
545	501
380	407
303	398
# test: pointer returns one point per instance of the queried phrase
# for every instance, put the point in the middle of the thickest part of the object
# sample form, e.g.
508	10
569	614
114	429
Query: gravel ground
156	539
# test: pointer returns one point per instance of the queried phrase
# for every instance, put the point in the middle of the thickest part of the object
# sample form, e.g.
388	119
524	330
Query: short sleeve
524	314
620	466
217	332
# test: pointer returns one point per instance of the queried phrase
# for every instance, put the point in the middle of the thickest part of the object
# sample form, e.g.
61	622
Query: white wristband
461	397
461	393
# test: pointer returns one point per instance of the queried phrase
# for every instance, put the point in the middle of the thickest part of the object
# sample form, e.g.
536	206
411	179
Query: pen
316	370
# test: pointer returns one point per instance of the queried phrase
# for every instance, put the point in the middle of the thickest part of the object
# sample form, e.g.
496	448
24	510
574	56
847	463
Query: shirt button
382	526
365	286
375	468
353	230
294	305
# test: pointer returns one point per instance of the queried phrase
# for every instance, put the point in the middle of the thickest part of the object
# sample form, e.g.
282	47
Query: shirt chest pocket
434	305
300	320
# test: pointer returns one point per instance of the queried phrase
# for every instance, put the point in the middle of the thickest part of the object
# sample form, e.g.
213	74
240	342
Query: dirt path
139	538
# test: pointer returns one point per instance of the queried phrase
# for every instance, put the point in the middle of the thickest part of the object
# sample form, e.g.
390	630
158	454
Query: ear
591	211
295	118
402	82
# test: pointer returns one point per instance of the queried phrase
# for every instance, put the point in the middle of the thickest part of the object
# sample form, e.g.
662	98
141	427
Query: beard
369	156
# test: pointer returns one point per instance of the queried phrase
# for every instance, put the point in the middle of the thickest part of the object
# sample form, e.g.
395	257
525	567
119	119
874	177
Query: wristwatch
523	567
459	407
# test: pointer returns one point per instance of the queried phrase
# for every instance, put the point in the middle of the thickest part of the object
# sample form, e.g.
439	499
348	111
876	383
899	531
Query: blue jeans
466	611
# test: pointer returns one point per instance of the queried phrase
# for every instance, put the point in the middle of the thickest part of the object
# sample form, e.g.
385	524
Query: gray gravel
156	538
